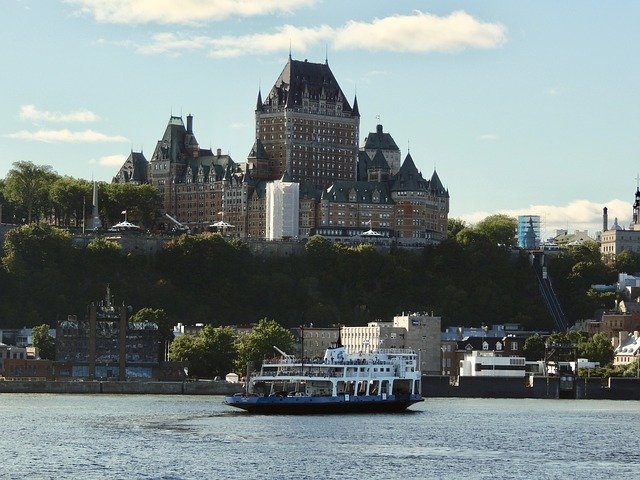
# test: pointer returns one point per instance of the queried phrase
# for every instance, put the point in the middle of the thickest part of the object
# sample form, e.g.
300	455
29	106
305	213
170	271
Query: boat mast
302	348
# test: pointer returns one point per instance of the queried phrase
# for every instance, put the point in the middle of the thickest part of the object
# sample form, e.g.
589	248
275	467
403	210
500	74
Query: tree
627	262
157	316
187	348
455	225
253	347
27	184
534	348
210	354
44	342
500	229
218	349
71	199
597	349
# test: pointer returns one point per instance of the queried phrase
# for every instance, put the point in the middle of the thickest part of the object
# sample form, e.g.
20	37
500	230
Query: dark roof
379	162
379	140
408	177
299	79
339	192
134	169
257	151
172	143
436	185
356	110
475	343
364	160
308	190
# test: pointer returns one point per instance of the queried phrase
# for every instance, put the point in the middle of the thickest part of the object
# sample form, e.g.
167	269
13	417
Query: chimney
219	152
189	123
379	129
605	220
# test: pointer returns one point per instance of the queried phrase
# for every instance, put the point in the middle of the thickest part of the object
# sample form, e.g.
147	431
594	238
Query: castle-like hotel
305	173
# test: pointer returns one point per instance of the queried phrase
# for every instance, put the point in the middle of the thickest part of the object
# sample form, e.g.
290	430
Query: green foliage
627	261
454	226
597	349
209	354
207	279
142	202
103	246
573	272
71	199
157	316
27	184
253	347
534	348
499	229
44	342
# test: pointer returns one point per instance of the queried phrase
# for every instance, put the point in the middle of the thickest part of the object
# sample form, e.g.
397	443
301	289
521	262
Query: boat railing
338	363
397	351
323	374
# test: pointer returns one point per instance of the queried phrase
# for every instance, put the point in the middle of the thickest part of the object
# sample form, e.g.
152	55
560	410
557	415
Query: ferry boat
387	380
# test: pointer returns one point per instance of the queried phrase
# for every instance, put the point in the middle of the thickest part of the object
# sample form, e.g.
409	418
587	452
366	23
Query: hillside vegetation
473	278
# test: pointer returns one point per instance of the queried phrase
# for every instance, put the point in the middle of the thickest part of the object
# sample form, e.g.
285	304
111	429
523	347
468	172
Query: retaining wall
111	387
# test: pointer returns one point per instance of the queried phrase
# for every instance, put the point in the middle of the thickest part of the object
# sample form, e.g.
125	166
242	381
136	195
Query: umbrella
221	224
124	226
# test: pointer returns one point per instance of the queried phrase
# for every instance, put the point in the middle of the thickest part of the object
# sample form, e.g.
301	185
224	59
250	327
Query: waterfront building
417	331
11	352
27	368
107	345
529	232
316	340
489	364
627	348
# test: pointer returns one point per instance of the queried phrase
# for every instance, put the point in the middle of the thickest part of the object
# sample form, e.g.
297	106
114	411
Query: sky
528	107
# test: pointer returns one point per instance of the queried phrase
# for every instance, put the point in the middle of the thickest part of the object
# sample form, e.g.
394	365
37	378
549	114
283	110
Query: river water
183	437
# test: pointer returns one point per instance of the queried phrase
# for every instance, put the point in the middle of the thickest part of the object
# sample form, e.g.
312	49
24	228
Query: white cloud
416	33
576	215
65	136
112	160
238	125
183	11
31	112
492	137
420	32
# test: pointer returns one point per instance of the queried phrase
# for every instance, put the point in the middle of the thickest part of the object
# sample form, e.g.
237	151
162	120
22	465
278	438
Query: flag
124	212
220	213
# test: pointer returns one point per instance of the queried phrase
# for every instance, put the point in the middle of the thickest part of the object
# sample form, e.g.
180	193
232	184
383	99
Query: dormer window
485	346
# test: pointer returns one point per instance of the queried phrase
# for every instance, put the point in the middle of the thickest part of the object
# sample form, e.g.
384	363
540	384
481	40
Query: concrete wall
489	387
137	388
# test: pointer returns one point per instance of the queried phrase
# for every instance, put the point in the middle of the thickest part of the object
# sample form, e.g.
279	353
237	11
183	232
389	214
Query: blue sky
522	107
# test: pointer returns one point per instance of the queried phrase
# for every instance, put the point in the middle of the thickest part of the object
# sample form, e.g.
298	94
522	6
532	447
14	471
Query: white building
487	364
628	348
417	331
282	209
